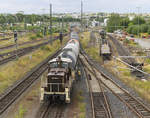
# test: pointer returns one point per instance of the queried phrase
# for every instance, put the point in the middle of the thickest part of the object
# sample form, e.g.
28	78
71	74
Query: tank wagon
61	72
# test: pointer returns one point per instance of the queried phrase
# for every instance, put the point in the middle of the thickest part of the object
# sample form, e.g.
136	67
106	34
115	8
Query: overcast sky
36	6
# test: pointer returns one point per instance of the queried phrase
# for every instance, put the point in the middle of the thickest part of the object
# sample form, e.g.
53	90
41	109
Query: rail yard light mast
62	27
61	32
81	15
50	22
43	22
138	8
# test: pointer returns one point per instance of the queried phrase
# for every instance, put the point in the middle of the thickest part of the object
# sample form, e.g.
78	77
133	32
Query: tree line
20	18
135	26
19	21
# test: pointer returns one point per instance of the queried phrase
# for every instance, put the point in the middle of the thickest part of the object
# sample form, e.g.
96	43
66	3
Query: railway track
52	110
21	86
121	50
125	52
13	45
21	52
5	39
134	104
10	35
25	43
99	101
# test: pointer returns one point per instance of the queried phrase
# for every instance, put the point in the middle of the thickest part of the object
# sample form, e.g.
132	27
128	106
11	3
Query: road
144	43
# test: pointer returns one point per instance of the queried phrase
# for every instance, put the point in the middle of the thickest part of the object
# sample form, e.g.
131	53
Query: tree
20	17
135	30
138	20
129	29
144	28
113	22
10	19
148	30
2	19
125	22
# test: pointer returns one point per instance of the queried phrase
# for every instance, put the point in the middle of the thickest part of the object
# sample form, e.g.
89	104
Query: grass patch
21	112
39	35
146	68
92	51
147	60
81	105
84	39
21	39
33	37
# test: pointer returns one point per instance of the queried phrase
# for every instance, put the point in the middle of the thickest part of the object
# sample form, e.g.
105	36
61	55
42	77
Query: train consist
105	50
62	72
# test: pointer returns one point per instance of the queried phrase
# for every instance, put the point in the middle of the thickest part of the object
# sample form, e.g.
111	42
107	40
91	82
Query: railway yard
70	65
98	90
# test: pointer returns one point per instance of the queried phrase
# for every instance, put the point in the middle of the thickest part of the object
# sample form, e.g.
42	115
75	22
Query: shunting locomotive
105	51
61	72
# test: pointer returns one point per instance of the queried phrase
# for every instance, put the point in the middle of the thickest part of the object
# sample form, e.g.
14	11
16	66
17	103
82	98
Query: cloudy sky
36	6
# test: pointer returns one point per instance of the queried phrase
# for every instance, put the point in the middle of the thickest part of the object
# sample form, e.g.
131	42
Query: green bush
45	48
33	37
39	35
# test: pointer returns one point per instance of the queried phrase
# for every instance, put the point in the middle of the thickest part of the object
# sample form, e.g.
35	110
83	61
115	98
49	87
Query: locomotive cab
59	79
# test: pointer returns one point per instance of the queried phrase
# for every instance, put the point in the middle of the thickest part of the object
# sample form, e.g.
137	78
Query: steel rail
130	104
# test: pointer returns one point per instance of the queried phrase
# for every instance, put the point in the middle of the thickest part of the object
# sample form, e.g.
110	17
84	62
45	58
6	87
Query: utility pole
62	27
59	24
50	22
138	22
25	25
81	15
43	12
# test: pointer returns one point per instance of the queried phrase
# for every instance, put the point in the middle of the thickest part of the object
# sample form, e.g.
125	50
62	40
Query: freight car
102	34
105	50
61	72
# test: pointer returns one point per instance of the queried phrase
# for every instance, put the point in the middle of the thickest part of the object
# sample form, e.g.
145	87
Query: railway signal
16	40
44	31
15	36
61	37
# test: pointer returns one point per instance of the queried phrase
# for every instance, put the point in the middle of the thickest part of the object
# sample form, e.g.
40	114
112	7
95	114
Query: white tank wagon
74	35
61	74
105	49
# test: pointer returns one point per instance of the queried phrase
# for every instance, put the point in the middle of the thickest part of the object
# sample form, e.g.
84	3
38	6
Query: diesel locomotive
62	72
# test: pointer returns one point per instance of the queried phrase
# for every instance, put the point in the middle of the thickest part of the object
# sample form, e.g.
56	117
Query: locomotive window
56	65
64	65
53	65
72	41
